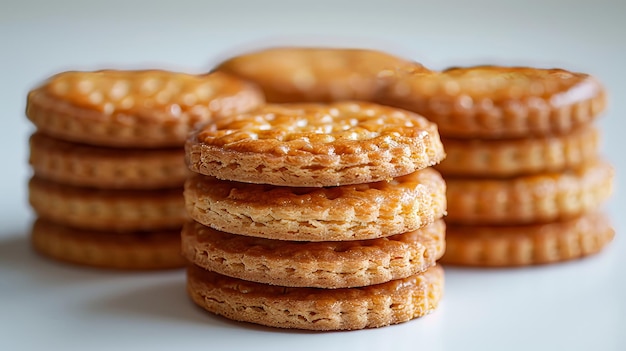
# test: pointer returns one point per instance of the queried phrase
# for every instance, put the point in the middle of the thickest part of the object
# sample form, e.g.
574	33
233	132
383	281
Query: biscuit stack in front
525	180
316	216
108	162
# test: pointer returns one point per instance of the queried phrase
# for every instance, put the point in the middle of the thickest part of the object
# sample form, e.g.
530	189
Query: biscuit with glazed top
372	306
500	246
149	108
348	212
109	168
126	251
501	102
514	157
527	199
298	74
335	264
104	209
315	145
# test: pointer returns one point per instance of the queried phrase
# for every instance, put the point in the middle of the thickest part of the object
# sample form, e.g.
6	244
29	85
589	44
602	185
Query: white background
47	306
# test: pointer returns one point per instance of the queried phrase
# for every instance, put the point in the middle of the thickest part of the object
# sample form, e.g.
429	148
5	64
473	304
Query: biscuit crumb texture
349	212
330	265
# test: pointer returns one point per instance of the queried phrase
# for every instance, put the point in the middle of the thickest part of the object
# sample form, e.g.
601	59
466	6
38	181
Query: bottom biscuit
502	246
128	251
314	308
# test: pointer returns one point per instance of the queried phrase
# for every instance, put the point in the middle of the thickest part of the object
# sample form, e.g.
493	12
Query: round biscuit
315	145
108	168
299	74
529	199
372	306
514	157
331	265
501	102
145	109
125	251
105	209
502	246
348	212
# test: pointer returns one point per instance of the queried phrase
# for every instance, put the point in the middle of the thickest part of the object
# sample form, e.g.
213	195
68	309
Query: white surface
43	305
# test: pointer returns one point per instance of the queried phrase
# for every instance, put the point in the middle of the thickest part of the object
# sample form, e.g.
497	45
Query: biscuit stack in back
108	162
316	216
525	182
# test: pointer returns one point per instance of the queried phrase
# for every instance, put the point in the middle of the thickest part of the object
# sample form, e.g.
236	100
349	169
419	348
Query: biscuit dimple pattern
309	127
493	102
112	91
146	123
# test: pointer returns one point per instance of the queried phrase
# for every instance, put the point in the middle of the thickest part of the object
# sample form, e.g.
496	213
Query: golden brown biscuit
101	167
500	246
135	108
134	250
526	199
499	102
348	212
315	145
372	306
102	209
298	74
513	157
334	264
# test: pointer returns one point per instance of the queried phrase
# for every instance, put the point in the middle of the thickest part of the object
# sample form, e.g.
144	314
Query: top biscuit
319	74
500	102
149	108
315	145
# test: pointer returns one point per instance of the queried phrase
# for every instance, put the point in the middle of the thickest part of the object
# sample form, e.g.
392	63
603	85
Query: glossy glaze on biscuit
348	212
373	306
500	246
107	168
149	108
526	199
300	74
336	264
315	145
501	102
102	249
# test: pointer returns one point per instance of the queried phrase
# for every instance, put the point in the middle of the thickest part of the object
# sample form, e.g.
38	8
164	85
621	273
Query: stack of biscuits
316	216
108	162
525	180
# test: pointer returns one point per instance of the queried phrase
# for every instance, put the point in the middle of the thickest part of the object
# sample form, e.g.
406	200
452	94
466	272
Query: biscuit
348	212
103	209
525	199
372	306
513	157
334	264
501	102
315	145
111	168
500	246
132	251
135	108
297	74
